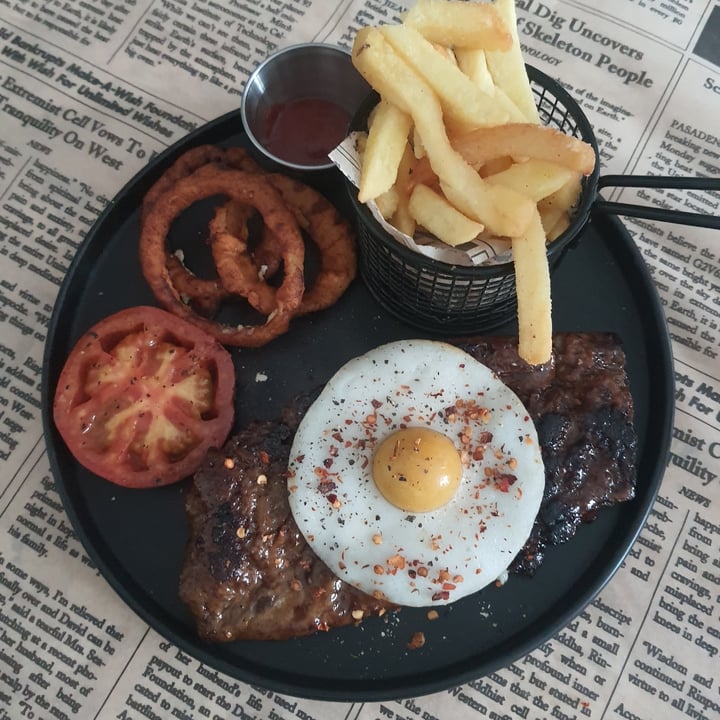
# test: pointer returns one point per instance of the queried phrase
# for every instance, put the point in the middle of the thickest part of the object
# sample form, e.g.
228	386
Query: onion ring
333	236
265	255
203	295
185	165
238	273
240	159
331	233
247	189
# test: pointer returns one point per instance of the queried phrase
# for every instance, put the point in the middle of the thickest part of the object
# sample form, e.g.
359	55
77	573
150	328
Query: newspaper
91	91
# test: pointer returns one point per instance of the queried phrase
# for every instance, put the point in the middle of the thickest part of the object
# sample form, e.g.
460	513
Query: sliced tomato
142	397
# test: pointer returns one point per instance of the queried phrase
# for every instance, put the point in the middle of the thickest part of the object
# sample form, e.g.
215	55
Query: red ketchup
304	131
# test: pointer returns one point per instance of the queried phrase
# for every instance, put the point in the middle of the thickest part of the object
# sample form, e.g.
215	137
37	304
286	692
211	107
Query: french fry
484	146
535	178
523	141
496	165
460	24
554	230
418	147
473	63
501	210
549	217
508	68
439	217
532	280
565	197
387	203
386	141
462	100
402	219
555	208
447	52
504	208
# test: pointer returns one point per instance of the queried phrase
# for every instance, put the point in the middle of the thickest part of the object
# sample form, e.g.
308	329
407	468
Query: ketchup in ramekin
304	131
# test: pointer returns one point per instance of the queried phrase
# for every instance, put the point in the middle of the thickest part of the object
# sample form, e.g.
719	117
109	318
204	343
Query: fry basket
454	299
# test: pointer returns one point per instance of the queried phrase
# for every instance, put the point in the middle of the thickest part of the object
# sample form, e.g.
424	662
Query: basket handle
656	213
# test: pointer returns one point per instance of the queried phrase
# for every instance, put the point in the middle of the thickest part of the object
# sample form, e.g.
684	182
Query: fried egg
416	474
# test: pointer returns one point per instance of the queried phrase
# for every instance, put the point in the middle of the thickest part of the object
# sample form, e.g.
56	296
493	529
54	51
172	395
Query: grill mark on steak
250	574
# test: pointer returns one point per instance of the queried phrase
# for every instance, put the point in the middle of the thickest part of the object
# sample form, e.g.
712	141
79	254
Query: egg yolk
417	469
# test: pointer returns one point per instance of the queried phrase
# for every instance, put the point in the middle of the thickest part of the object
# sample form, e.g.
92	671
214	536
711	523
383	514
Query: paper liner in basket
473	254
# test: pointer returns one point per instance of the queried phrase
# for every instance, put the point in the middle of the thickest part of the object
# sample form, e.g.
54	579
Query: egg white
427	558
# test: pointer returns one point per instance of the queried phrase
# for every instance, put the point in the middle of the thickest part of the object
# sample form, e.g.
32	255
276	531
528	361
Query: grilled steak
583	412
248	571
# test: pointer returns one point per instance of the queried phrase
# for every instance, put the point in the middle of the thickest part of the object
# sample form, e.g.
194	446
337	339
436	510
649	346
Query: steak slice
250	574
248	571
583	411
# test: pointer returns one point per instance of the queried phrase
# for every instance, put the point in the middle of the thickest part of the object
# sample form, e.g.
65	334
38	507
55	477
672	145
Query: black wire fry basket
443	298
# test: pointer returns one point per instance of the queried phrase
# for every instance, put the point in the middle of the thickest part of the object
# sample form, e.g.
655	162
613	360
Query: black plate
137	538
